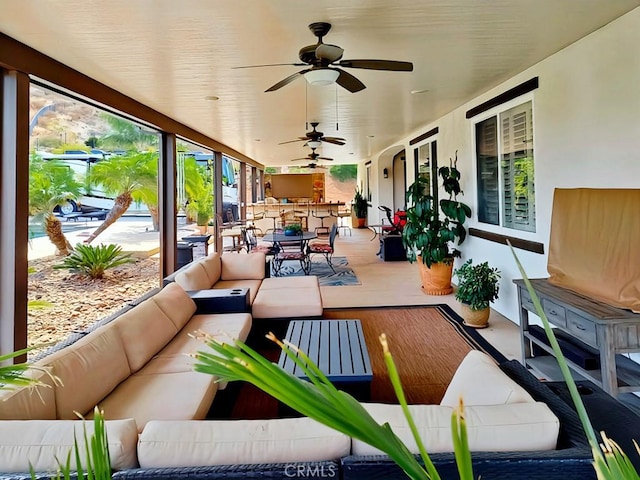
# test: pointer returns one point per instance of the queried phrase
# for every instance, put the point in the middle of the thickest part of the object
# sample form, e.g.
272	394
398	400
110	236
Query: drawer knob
553	312
580	327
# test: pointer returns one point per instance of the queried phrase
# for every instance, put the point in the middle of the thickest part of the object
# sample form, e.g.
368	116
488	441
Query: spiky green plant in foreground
95	260
12	376
320	400
609	461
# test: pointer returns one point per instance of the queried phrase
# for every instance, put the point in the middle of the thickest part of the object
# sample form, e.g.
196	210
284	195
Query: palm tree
127	178
127	135
51	184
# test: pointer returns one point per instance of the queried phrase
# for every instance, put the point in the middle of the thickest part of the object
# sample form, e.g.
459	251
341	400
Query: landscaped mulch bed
77	301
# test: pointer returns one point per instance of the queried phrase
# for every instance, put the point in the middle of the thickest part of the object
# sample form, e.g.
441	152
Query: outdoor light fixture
321	76
385	173
314	143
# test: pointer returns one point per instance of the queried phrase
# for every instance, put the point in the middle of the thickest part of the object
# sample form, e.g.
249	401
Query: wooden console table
612	331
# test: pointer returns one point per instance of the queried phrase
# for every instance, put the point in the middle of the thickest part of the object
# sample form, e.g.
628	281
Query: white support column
14	202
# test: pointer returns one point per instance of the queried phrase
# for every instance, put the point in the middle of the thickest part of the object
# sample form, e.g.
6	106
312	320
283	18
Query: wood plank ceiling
173	55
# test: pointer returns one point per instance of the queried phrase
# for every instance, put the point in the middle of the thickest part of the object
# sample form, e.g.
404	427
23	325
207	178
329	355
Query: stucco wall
586	134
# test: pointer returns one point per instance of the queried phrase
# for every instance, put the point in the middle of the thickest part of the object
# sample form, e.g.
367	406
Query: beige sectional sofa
279	297
133	367
501	415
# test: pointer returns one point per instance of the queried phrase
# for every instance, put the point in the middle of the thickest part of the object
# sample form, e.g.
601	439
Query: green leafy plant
95	260
360	204
320	400
96	459
477	284
427	233
13	376
296	228
609	461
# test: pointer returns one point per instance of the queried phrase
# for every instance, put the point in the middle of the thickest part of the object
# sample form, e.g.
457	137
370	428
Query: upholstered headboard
594	247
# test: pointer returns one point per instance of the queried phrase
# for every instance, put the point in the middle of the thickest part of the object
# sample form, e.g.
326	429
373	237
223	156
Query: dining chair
293	249
323	248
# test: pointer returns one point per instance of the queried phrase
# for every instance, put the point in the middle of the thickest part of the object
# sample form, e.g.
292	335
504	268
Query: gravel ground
77	301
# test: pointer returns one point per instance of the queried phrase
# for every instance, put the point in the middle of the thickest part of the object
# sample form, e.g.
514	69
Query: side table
221	300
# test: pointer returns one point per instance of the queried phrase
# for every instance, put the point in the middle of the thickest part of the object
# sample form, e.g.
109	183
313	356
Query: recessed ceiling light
212	98
257	139
416	92
370	136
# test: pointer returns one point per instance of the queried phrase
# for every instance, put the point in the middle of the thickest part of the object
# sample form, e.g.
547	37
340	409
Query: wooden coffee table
338	348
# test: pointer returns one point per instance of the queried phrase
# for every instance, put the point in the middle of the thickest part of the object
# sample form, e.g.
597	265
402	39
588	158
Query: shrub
95	260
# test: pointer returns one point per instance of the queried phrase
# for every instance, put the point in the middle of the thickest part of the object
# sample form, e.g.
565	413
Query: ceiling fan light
314	143
321	76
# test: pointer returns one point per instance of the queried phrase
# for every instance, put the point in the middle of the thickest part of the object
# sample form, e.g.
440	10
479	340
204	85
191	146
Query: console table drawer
582	329
526	300
556	314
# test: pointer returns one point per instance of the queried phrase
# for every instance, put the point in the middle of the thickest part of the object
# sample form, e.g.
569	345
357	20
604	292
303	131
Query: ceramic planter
436	280
475	318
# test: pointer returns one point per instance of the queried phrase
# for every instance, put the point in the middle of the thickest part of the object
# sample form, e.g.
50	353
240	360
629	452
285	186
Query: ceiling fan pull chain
306	106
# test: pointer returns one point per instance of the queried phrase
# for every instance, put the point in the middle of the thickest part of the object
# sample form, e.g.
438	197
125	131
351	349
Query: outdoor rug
344	274
427	343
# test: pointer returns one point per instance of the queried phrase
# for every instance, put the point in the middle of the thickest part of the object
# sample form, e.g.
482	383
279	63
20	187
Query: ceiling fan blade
294	141
271	65
329	52
349	82
392	65
301	158
326	158
334	140
287	80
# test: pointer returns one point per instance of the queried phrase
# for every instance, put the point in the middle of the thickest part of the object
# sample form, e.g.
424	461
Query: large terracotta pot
361	222
475	318
436	280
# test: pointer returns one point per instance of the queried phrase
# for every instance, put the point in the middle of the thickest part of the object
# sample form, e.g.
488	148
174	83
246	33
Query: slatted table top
336	346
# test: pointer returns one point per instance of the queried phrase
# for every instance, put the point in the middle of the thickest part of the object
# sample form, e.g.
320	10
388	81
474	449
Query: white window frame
495	112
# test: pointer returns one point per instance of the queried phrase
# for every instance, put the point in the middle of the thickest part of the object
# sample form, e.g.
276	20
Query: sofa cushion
173	358
39	442
193	278
212	267
169	444
88	370
497	428
176	304
36	403
282	297
479	381
144	330
164	396
224	326
243	267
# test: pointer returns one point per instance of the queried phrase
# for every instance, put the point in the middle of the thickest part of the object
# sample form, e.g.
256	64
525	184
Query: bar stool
272	211
344	212
322	213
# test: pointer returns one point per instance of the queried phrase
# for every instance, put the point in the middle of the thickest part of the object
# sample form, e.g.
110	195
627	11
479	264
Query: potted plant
360	207
477	287
293	229
432	227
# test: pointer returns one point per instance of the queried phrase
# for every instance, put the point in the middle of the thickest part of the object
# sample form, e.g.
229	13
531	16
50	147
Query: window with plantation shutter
487	173
505	169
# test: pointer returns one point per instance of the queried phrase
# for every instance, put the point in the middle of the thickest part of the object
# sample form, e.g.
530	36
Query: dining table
286	246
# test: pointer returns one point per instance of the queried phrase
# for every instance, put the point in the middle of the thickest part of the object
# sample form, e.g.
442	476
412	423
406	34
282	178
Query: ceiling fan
313	157
314	137
324	59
